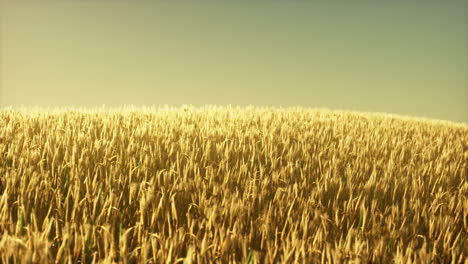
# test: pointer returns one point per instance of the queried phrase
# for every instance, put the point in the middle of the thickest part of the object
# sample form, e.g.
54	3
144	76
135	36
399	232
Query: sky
401	57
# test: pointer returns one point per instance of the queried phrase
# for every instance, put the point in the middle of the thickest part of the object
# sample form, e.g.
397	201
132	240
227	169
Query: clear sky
403	57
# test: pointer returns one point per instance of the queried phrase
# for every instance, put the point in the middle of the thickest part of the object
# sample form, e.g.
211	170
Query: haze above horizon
408	58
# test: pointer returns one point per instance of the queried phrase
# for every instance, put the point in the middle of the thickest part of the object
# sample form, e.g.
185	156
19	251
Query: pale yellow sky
382	56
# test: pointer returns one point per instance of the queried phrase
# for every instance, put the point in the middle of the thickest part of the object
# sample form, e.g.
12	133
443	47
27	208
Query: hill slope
231	184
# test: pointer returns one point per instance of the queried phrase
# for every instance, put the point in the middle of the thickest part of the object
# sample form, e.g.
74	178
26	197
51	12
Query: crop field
231	185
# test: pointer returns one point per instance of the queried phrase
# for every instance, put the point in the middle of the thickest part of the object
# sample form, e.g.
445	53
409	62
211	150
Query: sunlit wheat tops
239	185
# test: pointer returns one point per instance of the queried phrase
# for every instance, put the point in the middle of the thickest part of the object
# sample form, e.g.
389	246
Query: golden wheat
231	185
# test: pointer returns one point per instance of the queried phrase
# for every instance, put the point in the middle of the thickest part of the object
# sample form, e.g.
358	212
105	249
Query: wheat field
231	185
